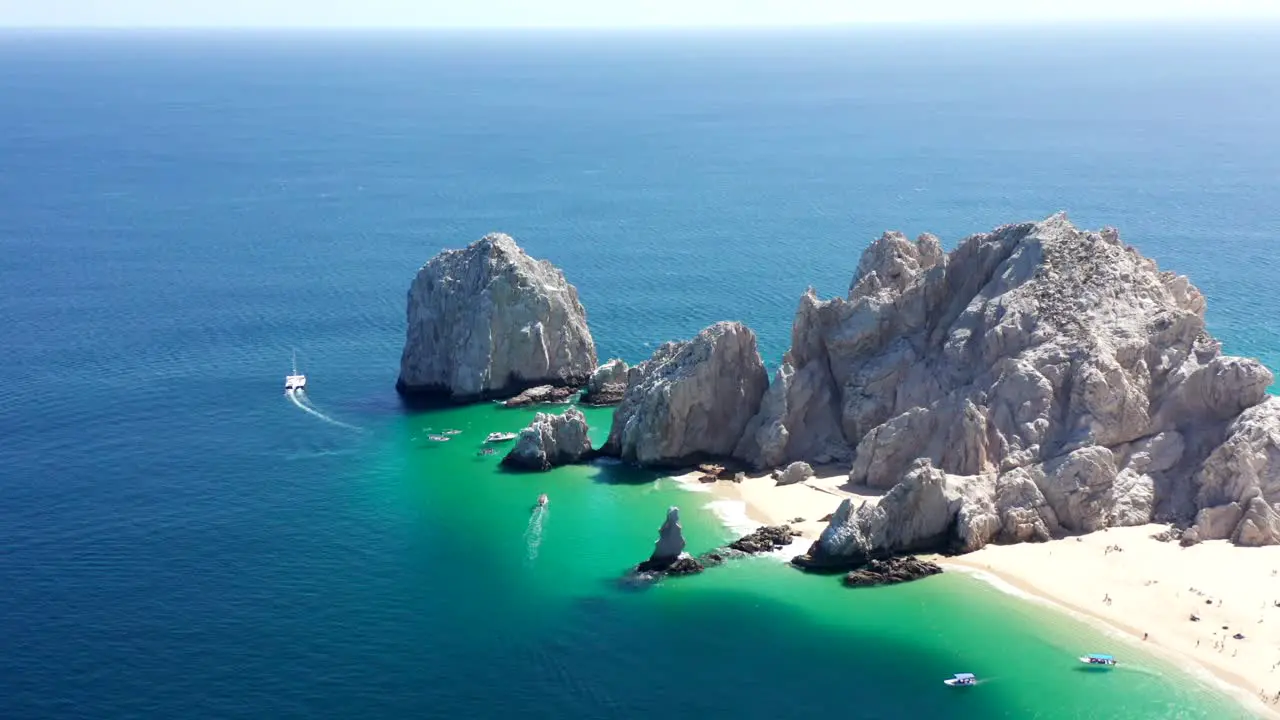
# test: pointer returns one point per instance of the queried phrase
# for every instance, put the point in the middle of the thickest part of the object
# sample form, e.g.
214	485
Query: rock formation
551	440
607	385
690	400
540	395
662	563
891	572
668	556
1038	378
765	539
796	472
490	321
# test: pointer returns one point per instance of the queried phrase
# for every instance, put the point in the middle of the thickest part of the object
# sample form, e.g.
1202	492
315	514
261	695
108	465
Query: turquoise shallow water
182	210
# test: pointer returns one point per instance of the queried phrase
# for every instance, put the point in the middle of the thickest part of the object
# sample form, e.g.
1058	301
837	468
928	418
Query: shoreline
1147	588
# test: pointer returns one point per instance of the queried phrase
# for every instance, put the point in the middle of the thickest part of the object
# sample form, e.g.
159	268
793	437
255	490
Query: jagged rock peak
1058	377
490	321
690	400
670	539
551	440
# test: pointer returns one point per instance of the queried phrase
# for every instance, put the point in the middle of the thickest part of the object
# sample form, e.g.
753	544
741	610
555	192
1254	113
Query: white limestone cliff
551	440
490	321
691	399
1039	377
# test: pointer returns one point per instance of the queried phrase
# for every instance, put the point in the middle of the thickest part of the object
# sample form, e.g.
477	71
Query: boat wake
533	533
299	398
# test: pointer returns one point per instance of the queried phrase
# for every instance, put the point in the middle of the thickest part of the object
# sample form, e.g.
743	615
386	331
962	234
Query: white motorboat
961	680
1098	661
497	437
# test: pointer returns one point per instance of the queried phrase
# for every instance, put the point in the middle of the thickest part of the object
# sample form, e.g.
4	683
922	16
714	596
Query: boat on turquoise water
961	680
1098	661
497	437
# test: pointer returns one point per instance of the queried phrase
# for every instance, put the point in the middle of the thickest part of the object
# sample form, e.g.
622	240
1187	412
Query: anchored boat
498	437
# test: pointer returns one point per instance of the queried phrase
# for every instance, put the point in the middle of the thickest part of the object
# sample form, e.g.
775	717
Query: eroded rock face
1054	378
690	400
490	321
551	440
608	384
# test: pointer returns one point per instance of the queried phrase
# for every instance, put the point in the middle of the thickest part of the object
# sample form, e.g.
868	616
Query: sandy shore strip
1145	589
767	503
1148	590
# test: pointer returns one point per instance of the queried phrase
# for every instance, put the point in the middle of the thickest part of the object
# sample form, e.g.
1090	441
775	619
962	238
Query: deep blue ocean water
179	211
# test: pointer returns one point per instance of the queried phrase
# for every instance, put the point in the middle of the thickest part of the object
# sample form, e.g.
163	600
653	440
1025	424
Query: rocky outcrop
891	572
690	400
669	546
796	472
490	321
540	395
662	564
1035	379
765	539
1259	524
551	440
608	384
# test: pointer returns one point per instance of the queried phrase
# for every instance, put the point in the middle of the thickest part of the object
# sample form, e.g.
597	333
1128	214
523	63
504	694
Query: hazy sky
605	13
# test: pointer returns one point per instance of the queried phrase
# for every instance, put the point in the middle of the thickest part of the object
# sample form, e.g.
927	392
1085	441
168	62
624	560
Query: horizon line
844	25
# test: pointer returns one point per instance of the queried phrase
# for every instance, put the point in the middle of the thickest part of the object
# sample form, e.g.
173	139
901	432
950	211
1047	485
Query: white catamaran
296	381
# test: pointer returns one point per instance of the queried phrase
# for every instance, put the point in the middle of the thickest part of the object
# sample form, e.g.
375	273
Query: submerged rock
1049	378
891	572
540	395
551	440
490	321
608	384
690	400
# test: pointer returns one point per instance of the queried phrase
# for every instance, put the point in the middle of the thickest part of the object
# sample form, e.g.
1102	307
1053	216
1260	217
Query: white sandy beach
770	504
1151	588
1148	587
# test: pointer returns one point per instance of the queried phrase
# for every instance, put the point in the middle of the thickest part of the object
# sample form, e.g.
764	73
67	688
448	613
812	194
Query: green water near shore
555	587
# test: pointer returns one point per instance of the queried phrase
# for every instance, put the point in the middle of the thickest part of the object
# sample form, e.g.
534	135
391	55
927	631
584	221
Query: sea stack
488	321
691	400
551	440
1037	379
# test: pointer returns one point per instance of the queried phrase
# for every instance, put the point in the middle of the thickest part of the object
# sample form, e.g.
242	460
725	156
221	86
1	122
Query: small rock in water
762	540
891	572
540	395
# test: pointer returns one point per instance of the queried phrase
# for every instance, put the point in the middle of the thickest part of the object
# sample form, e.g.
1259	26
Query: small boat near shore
1098	661
497	437
961	680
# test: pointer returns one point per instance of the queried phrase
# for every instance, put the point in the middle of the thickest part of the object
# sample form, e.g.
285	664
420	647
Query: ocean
181	211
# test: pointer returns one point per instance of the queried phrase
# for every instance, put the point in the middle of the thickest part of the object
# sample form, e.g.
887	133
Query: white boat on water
1098	661
296	381
961	680
498	437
